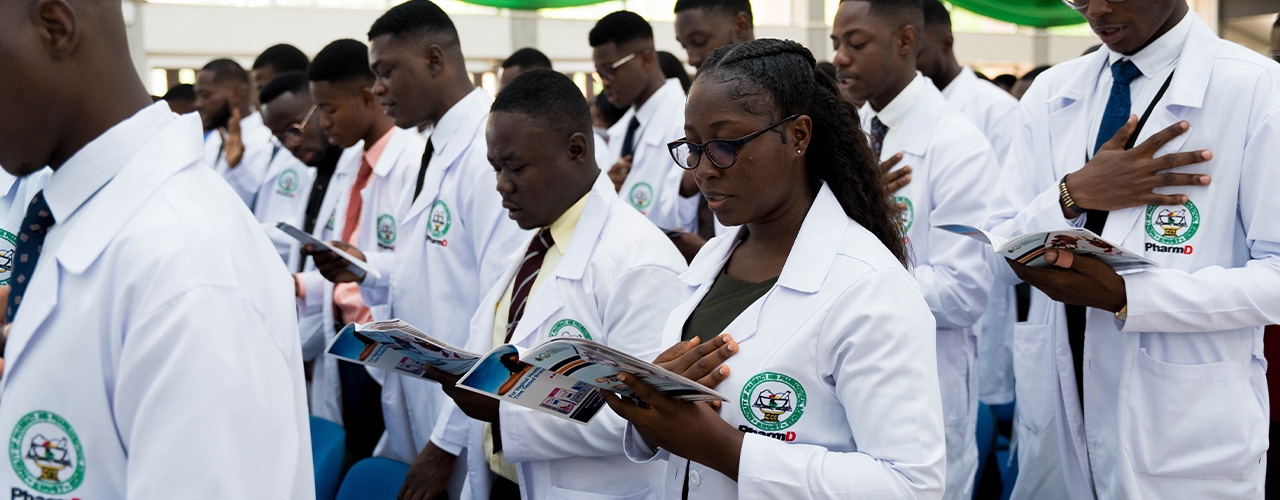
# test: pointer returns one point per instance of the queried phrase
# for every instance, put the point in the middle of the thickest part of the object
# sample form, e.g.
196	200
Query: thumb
1059	258
1118	141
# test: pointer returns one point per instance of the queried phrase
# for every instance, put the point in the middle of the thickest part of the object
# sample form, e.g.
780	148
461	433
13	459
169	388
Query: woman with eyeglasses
806	318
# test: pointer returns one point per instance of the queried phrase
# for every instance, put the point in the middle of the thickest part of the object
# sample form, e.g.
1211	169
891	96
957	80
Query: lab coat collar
573	264
665	104
173	146
961	82
7	182
456	131
922	119
811	256
101	159
390	155
1160	54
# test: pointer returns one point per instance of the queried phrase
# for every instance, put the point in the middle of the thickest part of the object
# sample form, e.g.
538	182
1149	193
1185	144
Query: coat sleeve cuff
635	448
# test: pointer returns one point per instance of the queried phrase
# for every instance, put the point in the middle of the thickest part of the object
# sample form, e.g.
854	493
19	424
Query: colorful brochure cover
1029	249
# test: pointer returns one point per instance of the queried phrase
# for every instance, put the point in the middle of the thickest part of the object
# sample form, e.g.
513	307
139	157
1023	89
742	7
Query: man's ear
434	60
578	146
367	99
904	41
57	25
742	27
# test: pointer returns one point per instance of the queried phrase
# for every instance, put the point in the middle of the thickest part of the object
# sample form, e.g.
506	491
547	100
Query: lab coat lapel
573	263
449	149
1186	94
921	122
175	147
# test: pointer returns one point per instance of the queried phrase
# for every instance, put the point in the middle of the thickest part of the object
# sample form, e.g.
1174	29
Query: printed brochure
1029	249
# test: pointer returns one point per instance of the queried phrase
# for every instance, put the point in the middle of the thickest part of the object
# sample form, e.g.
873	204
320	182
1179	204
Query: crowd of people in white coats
773	223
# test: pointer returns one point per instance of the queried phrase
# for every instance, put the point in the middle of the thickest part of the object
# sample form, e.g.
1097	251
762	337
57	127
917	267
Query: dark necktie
525	277
1113	117
629	140
35	225
422	172
878	131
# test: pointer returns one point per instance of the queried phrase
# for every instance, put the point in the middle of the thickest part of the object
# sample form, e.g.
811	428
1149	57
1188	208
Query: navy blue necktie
1118	104
35	225
878	131
629	141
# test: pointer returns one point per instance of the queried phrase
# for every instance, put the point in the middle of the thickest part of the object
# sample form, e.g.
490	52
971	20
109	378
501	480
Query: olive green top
724	302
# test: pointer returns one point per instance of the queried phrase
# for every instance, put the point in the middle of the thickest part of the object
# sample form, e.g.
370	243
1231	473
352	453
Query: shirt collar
375	152
655	102
562	228
95	164
895	113
1161	54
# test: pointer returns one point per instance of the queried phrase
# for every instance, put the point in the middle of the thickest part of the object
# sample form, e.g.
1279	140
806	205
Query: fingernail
732	346
622	377
724	370
1208	155
1184	125
1204	179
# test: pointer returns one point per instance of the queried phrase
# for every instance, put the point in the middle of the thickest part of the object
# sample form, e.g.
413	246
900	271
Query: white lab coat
1177	399
313	327
452	247
156	336
619	279
396	168
951	164
995	113
247	177
653	186
18	194
846	330
283	198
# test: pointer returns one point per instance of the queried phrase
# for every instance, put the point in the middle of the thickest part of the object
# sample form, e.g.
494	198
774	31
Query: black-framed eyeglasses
1083	4
722	152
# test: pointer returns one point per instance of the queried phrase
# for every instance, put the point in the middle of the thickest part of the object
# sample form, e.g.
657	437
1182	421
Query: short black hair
1031	75
673	68
936	14
731	7
283	57
913	9
618	28
415	18
1006	79
182	92
528	58
342	61
548	97
827	69
293	82
227	70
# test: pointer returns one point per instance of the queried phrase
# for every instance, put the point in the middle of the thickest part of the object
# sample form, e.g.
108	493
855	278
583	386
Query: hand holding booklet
357	266
1029	249
558	377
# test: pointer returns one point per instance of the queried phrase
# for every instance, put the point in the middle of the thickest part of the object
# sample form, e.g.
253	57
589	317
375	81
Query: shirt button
695	478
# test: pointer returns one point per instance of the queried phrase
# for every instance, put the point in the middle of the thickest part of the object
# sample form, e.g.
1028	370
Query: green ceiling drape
1035	13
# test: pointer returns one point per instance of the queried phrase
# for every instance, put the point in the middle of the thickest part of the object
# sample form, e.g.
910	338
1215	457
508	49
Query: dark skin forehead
285	110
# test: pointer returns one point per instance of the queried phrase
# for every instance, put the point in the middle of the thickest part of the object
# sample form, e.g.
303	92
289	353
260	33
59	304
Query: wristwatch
1123	313
1065	197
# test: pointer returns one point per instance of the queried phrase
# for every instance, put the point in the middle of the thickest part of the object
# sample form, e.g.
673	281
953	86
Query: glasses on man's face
723	153
297	130
612	71
1083	4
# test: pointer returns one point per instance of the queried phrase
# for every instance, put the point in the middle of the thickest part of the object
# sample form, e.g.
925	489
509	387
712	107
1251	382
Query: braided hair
839	153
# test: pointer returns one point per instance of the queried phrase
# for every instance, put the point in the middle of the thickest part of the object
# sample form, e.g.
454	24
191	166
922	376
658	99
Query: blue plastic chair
986	440
373	479
328	450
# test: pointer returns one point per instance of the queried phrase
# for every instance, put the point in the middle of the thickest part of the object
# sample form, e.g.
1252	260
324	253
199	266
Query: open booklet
1029	249
357	266
558	377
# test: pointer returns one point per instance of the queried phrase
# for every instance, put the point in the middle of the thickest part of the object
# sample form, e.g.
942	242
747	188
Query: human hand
619	171
233	144
334	268
897	179
1116	178
1075	279
428	475
478	406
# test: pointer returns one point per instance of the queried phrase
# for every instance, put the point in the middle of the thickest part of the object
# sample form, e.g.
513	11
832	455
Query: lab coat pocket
1198	421
569	494
1036	381
953	371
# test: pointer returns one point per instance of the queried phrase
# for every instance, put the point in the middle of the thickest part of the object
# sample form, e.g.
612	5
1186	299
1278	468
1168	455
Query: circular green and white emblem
1173	224
387	230
8	245
46	453
641	196
288	181
772	401
908	215
439	220
568	328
